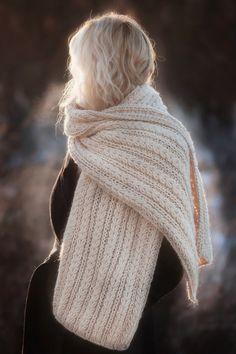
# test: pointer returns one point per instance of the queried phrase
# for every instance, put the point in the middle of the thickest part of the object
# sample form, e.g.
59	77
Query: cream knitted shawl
139	182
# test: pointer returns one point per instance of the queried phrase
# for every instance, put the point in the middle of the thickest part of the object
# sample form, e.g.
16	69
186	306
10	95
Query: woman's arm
61	198
167	275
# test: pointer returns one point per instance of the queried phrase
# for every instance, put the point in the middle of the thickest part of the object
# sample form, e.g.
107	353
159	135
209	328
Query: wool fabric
139	182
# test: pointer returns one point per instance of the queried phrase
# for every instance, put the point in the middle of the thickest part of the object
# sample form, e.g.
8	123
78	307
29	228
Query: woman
110	83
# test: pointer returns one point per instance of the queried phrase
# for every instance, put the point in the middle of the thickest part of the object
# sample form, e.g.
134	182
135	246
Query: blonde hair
109	55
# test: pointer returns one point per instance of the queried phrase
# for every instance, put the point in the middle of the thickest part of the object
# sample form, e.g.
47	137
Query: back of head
109	55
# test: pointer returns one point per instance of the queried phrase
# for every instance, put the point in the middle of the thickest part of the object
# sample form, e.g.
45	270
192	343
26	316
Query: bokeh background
195	41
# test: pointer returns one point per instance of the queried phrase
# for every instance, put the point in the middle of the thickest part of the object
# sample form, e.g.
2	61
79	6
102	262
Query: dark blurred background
195	42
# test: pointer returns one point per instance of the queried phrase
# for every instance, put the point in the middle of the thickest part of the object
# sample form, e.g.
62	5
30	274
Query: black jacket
42	333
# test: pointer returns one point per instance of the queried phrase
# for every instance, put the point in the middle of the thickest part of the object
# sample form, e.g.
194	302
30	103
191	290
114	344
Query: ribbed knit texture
139	182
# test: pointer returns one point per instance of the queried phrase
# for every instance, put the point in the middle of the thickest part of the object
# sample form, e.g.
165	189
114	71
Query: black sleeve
167	275
61	197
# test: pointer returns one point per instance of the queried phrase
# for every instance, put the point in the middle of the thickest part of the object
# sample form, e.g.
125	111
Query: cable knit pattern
139	182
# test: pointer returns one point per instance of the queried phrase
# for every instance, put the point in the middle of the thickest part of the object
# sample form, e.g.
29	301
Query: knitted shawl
139	182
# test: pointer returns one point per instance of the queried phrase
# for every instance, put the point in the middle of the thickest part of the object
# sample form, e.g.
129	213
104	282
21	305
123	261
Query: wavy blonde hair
109	55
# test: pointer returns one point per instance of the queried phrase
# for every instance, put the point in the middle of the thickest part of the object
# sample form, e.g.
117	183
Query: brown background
196	46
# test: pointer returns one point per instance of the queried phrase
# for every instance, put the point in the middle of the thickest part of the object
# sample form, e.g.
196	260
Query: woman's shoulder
69	165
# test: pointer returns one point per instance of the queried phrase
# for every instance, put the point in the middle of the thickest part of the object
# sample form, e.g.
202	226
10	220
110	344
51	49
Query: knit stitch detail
139	182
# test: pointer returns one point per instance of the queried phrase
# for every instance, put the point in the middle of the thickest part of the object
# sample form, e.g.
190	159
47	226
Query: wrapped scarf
139	182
